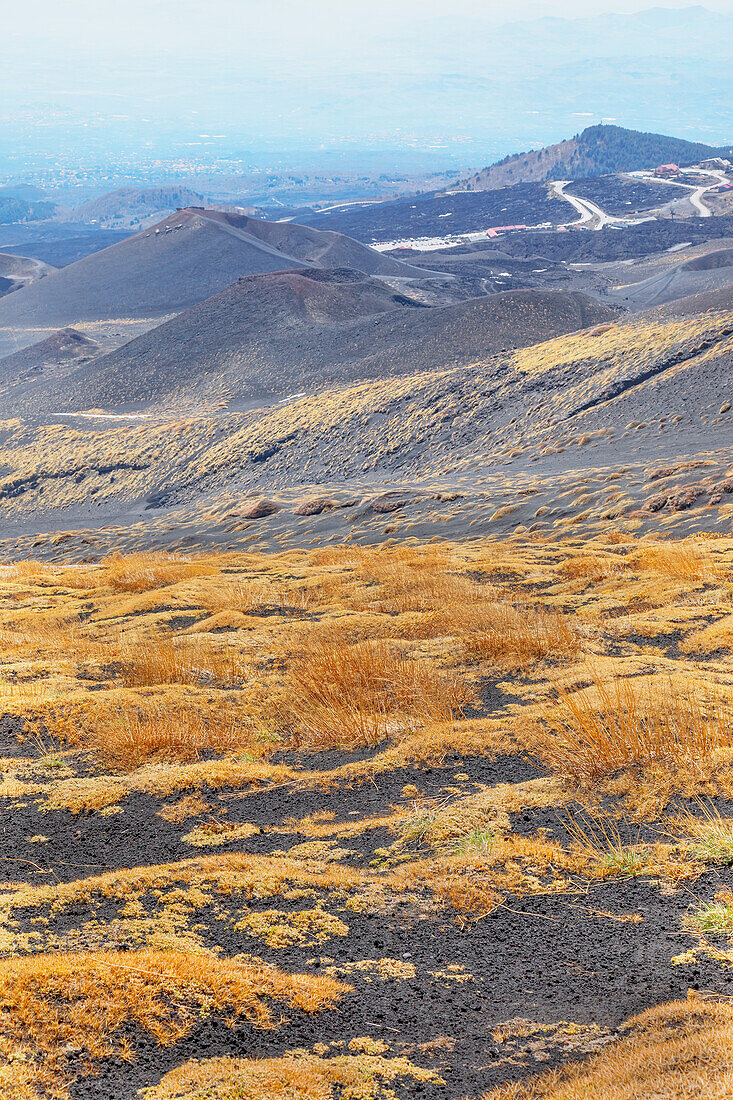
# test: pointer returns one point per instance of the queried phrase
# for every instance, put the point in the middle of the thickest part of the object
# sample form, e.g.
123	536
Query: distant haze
400	85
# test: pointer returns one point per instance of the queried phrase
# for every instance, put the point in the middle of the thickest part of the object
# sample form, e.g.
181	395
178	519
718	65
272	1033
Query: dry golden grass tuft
677	1051
349	696
708	834
592	567
128	738
638	723
514	637
146	660
687	560
299	1075
33	570
411	578
190	805
346	647
144	571
240	594
716	637
234	874
59	1014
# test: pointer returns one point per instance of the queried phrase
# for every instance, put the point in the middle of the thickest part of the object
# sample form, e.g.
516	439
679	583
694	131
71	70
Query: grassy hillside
623	423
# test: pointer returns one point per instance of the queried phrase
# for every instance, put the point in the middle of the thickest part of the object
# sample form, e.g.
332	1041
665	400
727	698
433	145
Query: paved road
696	197
695	194
587	210
590	212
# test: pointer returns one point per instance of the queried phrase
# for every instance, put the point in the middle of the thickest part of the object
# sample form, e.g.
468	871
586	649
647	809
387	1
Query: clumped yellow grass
146	660
685	559
641	340
29	569
677	1051
59	1014
355	695
513	637
349	647
299	1075
130	737
621	723
410	578
708	834
592	566
239	594
144	571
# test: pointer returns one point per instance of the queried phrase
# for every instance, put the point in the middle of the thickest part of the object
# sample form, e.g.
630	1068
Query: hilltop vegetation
596	151
132	206
13	209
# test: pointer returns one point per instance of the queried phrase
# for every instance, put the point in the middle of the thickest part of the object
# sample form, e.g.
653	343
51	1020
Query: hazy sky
80	77
137	27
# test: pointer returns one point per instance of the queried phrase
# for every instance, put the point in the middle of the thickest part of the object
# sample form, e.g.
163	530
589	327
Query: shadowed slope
169	267
272	335
704	274
63	347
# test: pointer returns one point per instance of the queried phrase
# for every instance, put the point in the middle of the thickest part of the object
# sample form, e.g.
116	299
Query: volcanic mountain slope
597	151
526	409
322	247
59	350
134	205
708	272
18	271
168	268
535	408
624	423
707	301
275	335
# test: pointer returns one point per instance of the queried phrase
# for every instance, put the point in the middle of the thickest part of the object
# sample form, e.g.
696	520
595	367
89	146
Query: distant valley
459	345
366	551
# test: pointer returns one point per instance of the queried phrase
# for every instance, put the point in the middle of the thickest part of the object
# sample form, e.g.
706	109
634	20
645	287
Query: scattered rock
315	506
679	499
258	509
389	502
685	499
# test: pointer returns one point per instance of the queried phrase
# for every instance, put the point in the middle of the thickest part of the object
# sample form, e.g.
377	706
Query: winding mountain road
696	197
587	210
695	194
592	216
